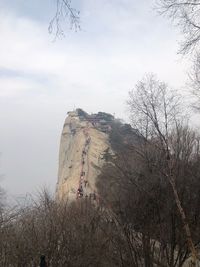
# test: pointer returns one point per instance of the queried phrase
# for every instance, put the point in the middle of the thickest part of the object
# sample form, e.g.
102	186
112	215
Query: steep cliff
84	142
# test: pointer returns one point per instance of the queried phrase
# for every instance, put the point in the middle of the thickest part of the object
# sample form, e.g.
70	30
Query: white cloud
14	86
27	47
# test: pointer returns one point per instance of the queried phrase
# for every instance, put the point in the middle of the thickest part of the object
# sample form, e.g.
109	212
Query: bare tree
142	198
76	234
155	112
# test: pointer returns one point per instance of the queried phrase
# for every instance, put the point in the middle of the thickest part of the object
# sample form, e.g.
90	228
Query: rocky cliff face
84	141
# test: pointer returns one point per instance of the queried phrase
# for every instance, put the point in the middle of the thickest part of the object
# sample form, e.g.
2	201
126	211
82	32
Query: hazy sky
40	80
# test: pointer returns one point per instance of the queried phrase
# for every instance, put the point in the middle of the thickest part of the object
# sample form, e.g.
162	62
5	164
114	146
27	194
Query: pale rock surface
81	157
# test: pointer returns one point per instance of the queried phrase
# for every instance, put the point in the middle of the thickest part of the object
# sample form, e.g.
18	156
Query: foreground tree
76	234
135	186
155	113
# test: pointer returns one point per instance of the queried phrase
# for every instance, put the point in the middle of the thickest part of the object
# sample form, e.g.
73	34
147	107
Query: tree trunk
184	221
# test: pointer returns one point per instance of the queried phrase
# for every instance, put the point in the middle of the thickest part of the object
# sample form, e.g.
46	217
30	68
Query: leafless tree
154	111
76	234
141	197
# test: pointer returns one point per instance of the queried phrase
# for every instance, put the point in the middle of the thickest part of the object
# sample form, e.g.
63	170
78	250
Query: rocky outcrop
84	141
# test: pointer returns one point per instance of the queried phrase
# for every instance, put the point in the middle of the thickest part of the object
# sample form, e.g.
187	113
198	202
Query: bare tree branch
186	15
64	12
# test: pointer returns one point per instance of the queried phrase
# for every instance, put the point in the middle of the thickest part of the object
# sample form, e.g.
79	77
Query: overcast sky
40	80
